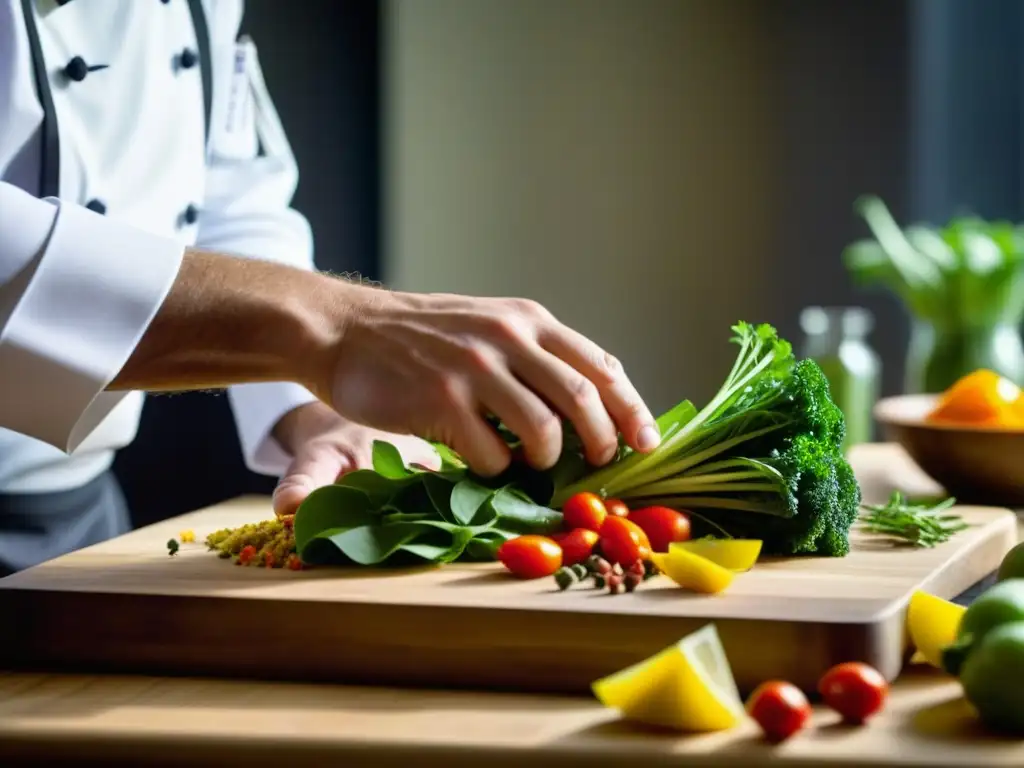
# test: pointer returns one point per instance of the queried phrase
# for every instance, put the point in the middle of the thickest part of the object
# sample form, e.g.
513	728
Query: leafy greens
762	459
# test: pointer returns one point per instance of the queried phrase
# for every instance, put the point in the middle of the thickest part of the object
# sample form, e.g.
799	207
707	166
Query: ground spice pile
270	543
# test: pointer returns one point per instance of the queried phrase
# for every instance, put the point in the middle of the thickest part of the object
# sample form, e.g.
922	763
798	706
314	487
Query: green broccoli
763	459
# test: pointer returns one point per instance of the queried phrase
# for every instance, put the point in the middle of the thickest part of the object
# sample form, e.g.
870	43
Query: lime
992	676
1012	566
688	687
998	605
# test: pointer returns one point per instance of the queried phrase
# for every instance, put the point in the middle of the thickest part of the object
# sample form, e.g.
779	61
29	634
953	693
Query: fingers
627	409
314	466
574	396
523	412
476	442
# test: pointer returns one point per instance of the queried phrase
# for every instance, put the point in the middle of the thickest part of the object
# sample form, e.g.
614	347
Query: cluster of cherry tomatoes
592	524
855	690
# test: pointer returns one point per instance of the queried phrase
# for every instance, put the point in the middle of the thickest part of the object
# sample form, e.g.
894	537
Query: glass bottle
836	338
940	355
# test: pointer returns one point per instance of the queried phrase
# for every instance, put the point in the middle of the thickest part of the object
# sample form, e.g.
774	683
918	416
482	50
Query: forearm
231	320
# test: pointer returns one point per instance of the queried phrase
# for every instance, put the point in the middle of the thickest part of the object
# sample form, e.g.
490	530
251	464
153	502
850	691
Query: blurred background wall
652	170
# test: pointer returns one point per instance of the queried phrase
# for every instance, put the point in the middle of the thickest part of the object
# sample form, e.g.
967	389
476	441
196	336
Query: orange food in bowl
983	398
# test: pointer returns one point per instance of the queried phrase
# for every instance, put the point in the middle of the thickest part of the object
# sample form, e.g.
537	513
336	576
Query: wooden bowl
977	465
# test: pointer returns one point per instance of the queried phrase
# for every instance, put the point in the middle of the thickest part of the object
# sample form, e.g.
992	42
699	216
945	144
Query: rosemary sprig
922	525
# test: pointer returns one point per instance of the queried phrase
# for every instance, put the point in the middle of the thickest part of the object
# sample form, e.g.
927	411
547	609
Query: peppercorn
632	581
598	564
650	570
294	562
600	581
172	547
637	567
615	585
581	571
565	578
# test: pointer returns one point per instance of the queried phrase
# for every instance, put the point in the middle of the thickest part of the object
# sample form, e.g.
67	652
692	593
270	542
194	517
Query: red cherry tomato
616	507
584	510
662	526
577	545
530	557
623	542
854	690
780	708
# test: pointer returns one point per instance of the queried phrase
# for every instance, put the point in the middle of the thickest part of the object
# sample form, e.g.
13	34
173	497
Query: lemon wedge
932	623
688	686
692	571
734	554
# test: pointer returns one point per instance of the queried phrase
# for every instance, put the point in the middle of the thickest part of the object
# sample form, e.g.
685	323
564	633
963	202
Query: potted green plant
962	284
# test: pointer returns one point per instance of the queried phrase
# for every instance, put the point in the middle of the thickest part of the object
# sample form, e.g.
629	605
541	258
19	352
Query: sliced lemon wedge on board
932	624
692	571
688	686
734	554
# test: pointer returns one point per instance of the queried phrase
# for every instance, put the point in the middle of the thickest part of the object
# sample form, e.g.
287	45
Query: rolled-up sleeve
77	292
248	213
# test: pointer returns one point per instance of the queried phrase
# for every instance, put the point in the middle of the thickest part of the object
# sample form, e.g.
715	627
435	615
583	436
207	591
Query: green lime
1012	566
992	677
998	605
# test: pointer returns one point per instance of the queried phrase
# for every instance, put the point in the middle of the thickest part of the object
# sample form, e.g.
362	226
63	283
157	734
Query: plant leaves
467	497
377	487
388	461
439	491
332	507
517	512
372	544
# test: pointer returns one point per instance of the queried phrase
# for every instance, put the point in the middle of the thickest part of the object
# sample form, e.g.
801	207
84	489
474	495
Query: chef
147	243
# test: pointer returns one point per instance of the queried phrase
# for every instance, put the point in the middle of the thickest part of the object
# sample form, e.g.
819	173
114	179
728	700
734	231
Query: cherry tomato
662	526
780	708
616	507
577	545
854	690
584	510
623	542
530	557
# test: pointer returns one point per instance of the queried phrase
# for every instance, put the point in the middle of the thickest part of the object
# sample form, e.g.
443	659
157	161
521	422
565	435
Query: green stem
619	485
699	502
684	485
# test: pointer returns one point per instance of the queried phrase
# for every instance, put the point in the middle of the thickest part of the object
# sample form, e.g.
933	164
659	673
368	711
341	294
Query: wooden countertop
127	720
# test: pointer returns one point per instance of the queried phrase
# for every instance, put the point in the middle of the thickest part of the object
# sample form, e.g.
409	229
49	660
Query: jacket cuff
257	409
73	317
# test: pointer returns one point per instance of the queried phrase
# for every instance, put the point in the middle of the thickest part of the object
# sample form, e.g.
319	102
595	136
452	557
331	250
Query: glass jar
939	356
836	338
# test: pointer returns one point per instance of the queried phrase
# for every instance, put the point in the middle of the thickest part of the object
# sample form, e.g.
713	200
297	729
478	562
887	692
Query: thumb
315	466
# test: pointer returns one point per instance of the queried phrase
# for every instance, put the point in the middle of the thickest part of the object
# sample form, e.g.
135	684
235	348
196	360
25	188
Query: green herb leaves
399	514
918	524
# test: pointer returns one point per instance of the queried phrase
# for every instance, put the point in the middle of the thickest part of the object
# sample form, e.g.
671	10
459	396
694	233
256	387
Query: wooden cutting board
125	605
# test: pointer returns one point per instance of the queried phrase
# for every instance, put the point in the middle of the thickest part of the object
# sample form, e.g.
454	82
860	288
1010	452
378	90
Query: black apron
36	527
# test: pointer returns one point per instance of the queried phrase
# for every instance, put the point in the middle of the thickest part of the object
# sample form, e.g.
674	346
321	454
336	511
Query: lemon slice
734	554
932	623
688	686
692	571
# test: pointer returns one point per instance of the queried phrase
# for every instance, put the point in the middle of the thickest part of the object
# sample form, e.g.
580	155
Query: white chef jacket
83	272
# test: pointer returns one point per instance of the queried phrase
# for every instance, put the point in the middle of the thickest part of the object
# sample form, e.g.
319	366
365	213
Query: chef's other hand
326	446
434	364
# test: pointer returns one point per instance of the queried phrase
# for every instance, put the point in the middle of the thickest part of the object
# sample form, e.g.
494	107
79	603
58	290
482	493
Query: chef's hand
434	364
326	446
